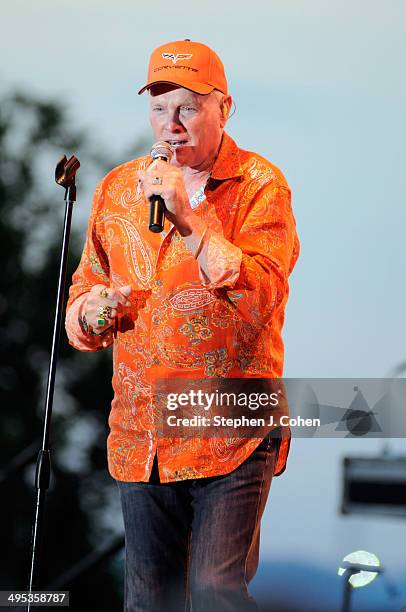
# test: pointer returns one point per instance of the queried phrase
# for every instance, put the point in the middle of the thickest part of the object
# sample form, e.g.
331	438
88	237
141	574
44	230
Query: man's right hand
111	299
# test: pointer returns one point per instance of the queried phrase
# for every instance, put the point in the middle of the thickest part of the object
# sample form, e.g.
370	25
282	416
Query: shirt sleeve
219	262
223	267
93	269
253	270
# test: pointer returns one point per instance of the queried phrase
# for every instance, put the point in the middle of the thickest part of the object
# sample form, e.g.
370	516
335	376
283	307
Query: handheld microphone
160	150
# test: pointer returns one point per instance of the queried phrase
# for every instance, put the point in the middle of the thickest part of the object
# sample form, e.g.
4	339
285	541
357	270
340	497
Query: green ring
101	322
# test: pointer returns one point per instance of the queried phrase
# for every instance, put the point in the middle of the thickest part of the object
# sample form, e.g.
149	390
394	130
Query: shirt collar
227	164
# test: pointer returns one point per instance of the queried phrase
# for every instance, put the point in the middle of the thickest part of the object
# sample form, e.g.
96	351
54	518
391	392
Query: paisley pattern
137	252
191	299
196	328
220	316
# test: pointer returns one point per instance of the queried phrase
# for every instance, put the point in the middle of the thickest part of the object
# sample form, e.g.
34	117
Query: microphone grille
162	149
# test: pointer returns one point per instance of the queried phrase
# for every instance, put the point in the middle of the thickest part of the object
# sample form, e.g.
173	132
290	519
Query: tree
33	136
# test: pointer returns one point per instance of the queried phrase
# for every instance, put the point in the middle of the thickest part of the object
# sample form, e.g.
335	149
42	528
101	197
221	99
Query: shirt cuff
219	260
77	336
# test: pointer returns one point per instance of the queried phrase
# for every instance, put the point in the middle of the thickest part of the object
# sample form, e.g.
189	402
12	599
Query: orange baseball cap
188	64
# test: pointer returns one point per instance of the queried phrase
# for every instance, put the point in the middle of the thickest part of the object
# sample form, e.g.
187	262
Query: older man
203	299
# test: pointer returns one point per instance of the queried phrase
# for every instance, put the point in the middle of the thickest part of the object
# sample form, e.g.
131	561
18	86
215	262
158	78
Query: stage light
352	564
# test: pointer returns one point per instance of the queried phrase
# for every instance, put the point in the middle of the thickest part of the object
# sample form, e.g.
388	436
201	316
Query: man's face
191	123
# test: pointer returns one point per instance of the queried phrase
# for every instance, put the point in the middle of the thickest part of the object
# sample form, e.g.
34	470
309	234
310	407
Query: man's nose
173	123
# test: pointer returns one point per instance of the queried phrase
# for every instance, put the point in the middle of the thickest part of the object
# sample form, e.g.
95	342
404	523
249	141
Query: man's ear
225	106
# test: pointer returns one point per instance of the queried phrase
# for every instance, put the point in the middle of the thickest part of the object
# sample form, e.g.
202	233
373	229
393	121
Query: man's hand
111	299
172	190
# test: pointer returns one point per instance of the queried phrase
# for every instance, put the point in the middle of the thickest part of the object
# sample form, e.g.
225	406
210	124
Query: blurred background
319	91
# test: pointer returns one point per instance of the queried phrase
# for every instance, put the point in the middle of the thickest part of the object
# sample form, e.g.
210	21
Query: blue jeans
196	542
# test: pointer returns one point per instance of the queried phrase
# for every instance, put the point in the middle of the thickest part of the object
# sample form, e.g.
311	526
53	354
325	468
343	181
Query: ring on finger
104	293
105	312
157	180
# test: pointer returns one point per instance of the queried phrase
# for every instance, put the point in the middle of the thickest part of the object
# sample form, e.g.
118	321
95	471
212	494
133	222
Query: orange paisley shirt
220	315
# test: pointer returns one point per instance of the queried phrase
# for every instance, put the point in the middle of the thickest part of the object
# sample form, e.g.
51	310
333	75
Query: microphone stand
65	177
352	568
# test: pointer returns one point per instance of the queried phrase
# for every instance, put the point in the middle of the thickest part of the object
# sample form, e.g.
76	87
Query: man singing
204	298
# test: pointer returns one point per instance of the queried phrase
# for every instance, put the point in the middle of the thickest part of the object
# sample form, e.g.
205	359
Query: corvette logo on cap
175	57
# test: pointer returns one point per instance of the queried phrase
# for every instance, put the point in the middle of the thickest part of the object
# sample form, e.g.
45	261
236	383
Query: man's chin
182	155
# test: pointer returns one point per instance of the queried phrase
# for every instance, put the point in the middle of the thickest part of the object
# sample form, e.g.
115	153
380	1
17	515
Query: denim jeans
193	545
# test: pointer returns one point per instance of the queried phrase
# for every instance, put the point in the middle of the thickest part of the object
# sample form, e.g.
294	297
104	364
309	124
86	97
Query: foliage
33	136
